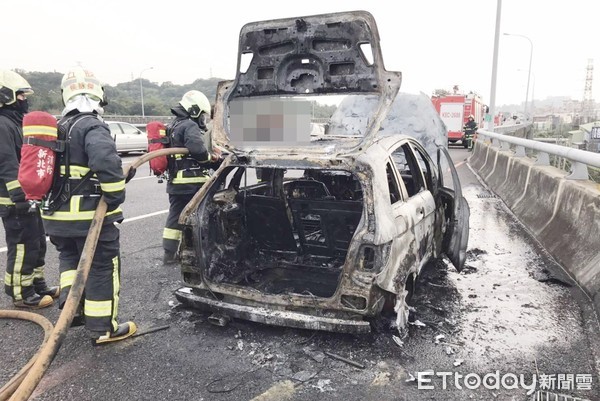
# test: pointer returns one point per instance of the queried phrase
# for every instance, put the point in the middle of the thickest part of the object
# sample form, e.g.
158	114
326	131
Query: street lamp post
142	89
529	73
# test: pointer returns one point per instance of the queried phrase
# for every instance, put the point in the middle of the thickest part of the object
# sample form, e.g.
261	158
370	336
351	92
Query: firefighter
187	173
470	129
25	237
93	168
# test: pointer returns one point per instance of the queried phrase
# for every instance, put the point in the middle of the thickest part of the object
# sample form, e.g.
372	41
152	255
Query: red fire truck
454	109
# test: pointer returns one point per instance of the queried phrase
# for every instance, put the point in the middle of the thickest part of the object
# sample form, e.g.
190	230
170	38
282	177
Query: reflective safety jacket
187	173
91	148
11	141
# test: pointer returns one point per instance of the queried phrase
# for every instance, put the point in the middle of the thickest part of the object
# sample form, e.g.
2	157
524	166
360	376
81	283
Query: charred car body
323	234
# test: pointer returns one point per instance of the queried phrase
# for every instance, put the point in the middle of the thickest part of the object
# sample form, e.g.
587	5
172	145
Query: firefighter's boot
42	288
79	318
123	331
35	301
169	258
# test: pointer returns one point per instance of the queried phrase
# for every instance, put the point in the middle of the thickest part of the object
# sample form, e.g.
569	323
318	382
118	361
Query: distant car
127	137
327	233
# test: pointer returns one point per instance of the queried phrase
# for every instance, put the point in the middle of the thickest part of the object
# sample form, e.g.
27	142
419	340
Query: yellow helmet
11	84
79	81
195	103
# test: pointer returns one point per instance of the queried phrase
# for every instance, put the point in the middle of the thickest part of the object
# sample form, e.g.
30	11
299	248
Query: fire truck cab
454	110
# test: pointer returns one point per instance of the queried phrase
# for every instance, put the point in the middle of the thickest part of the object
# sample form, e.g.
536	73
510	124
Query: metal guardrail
511	127
580	159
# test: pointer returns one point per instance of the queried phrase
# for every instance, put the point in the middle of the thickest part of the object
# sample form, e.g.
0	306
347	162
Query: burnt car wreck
326	233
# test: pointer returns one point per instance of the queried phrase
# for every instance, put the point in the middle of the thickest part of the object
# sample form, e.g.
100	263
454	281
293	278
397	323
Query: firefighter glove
24	207
130	174
111	207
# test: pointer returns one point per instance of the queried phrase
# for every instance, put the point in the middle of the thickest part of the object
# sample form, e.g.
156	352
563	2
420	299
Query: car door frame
405	250
426	218
456	235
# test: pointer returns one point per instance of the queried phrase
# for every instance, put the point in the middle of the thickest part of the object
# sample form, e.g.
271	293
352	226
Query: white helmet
78	81
11	84
195	103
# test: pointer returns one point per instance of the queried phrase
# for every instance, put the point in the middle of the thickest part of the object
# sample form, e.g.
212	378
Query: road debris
345	360
219	320
316	356
398	341
149	330
439	337
458	362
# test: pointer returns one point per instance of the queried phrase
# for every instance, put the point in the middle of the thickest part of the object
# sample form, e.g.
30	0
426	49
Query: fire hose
22	385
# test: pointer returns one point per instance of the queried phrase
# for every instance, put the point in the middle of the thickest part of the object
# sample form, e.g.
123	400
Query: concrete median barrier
563	214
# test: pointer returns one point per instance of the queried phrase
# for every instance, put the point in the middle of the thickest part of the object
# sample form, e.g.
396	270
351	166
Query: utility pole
142	89
587	106
492	112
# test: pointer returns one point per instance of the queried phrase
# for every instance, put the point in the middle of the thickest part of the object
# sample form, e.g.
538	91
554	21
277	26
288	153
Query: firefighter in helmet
93	169
25	237
187	173
469	131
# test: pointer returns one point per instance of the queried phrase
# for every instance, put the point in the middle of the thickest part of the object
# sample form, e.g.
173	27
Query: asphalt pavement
511	312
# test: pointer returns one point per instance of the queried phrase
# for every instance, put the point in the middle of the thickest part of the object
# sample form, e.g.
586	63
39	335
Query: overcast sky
434	43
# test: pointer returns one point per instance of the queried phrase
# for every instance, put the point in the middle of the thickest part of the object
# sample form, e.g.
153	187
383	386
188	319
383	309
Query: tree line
125	98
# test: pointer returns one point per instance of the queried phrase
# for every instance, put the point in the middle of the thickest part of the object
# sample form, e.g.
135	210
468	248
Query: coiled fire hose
31	374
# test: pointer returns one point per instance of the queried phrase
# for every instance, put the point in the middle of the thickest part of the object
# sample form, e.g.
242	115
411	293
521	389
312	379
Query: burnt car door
416	179
456	213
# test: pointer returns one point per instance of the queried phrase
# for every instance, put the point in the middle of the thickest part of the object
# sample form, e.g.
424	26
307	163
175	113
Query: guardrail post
520	151
543	159
579	171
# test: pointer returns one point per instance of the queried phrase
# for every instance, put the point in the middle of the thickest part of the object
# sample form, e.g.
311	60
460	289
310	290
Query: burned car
327	230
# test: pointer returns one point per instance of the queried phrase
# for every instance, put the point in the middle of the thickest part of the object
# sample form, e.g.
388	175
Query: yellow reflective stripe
38	272
6	202
7	279
112	186
116	289
78	216
162	132
97	308
189	180
67	278
17	294
40	130
180	179
75	171
74	204
170	233
10	185
27	280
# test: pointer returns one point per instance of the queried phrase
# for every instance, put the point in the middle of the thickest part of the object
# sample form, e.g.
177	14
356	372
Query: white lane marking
143	178
143	216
